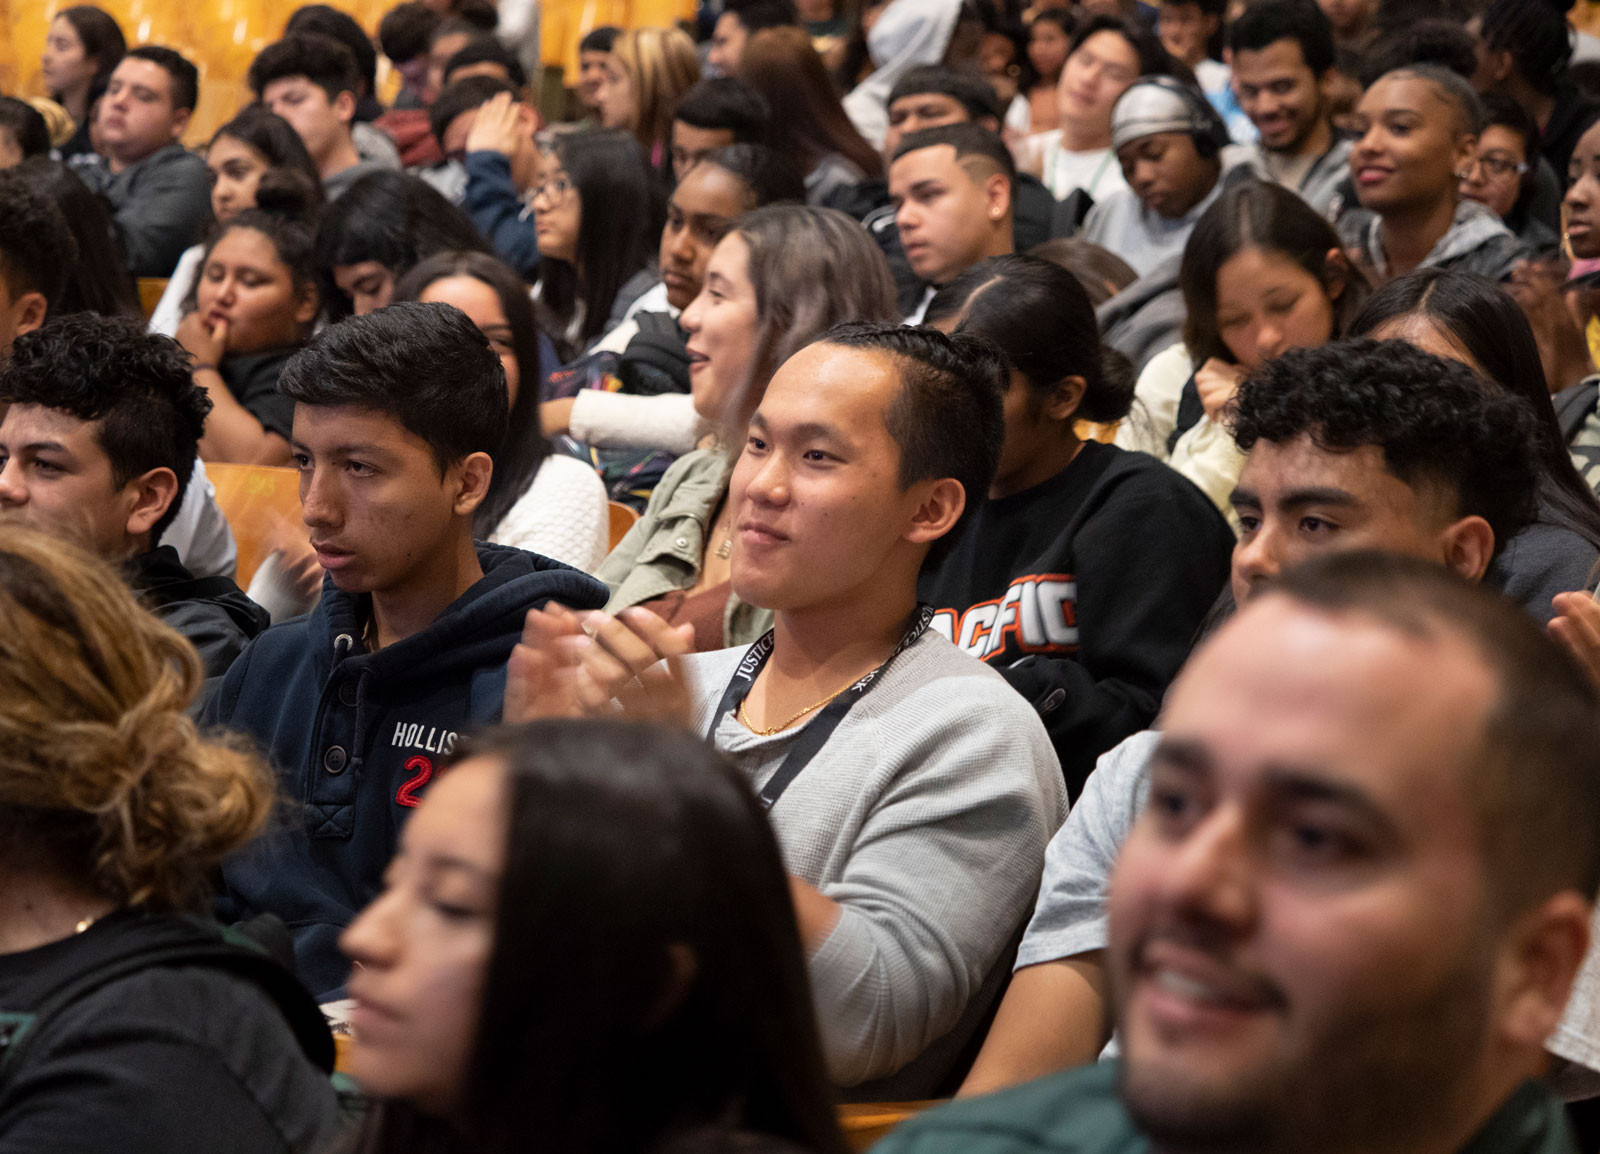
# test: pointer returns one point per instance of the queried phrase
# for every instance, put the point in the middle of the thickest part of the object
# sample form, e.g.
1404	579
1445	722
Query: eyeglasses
554	191
1496	166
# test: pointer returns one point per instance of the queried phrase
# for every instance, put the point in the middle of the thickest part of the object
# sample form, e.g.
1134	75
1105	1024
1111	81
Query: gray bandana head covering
1148	108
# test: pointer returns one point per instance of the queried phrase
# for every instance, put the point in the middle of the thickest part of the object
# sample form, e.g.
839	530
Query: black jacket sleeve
1149	565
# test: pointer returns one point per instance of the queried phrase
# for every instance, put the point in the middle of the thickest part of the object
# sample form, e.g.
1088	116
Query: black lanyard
815	735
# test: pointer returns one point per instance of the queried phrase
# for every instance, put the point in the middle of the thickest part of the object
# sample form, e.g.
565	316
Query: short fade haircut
406	30
971	92
728	103
135	386
1451	87
320	59
463	96
1435	421
37	248
425	365
755	15
184	77
26	125
948	418
1266	22
969	140
488	50
1536	785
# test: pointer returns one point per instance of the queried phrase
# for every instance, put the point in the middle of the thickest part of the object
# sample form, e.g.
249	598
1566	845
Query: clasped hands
590	664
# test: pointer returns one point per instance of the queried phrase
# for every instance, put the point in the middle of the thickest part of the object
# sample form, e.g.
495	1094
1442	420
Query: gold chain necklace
753	728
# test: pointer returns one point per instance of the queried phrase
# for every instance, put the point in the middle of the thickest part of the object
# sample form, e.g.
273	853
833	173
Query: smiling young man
159	192
1418	131
1352	445
952	191
1354	907
908	785
396	415
1283	70
97	445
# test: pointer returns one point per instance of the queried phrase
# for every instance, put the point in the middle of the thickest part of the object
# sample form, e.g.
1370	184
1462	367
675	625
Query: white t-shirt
1095	171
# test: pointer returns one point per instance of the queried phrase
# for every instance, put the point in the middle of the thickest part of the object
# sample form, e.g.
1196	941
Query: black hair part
1266	22
102	39
618	229
136	385
1263	215
320	59
726	102
1535	787
97	276
425	365
968	140
1435	420
464	95
274	138
406	30
768	174
755	15
1039	316
392	218
324	20
488	50
525	447
1537	36
948	418
971	92
36	245
634	843
600	39
1480	318
27	128
184	77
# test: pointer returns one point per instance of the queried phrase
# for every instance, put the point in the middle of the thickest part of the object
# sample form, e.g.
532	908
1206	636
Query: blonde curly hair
103	777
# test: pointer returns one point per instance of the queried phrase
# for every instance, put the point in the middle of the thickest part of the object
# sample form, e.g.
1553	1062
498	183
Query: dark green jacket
1079	1112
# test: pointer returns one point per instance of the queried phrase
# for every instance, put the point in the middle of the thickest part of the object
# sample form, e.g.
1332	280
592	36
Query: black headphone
1212	135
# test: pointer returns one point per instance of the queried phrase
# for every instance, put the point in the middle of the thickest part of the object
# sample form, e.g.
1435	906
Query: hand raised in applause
589	664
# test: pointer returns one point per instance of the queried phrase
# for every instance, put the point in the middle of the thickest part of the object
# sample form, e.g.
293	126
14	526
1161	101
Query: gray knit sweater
926	817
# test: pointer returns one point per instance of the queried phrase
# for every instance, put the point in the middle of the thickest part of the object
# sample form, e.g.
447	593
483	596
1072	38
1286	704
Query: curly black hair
1435	420
135	384
36	245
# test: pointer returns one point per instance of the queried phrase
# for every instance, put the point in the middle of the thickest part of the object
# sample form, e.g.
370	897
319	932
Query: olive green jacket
666	548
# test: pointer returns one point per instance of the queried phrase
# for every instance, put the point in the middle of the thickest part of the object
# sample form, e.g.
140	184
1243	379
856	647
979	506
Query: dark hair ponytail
1040	317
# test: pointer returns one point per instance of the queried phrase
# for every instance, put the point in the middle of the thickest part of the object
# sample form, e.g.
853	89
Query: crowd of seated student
986	447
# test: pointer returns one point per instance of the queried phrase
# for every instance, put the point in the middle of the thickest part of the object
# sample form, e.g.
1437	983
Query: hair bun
287	193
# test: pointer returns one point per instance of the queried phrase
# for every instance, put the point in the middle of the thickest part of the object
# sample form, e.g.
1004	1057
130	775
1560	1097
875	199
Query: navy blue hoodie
355	738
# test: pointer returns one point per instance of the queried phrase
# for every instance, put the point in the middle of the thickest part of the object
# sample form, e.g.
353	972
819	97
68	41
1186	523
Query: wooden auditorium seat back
255	499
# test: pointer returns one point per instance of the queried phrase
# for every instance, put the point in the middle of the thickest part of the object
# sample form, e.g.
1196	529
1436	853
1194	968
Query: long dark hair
619	225
808	120
1040	316
526	446
1258	214
392	218
627	845
1482	320
277	141
102	39
99	282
